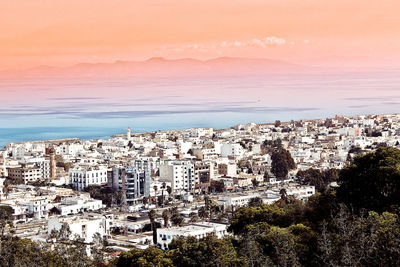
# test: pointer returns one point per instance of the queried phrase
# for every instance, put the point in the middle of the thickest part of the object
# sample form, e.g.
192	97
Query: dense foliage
23	252
282	162
372	181
321	180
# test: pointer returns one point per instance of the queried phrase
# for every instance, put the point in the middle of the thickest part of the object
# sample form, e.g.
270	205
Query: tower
52	163
128	133
52	166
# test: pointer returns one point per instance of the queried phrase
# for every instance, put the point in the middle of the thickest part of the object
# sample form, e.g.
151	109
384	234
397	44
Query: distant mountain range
161	67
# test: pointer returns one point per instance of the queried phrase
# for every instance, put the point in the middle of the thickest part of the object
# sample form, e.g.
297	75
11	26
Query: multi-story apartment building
202	176
84	176
147	164
180	173
42	163
231	150
25	173
133	182
227	169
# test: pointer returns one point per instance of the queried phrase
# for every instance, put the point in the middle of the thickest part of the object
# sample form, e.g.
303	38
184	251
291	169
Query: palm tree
155	193
194	219
212	207
283	194
152	217
166	215
203	213
207	202
162	192
169	190
255	183
6	188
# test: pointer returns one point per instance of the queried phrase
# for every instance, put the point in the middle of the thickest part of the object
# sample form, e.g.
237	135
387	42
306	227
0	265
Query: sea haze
52	106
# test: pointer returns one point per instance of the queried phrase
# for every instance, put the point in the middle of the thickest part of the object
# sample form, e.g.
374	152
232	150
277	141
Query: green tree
367	240
166	214
176	218
217	186
280	245
266	176
6	213
255	201
97	250
203	213
255	182
372	181
209	251
282	216
152	216
169	190
150	257
311	177
282	163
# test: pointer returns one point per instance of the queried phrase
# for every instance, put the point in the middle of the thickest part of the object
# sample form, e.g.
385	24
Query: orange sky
65	32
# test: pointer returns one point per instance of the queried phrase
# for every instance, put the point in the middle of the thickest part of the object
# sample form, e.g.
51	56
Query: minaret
52	166
128	134
52	163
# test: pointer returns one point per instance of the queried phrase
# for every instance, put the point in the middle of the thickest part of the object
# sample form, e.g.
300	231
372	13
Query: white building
85	227
198	230
84	176
300	192
69	149
179	173
74	205
236	200
231	150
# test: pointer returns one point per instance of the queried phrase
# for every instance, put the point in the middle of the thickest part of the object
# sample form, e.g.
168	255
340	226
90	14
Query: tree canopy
282	163
372	181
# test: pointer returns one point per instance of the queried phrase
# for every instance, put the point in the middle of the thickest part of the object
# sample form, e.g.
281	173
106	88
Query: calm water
38	110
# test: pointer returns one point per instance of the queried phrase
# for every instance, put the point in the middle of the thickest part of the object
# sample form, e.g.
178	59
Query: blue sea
41	110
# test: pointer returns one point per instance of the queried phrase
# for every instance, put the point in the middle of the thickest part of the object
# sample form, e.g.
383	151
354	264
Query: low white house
84	227
74	205
198	230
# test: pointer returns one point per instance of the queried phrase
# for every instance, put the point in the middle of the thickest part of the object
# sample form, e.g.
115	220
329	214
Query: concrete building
83	227
84	176
198	230
74	205
179	173
236	200
202	176
25	174
134	182
231	150
227	169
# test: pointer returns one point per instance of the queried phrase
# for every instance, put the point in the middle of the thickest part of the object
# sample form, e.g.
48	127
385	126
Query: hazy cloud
256	42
